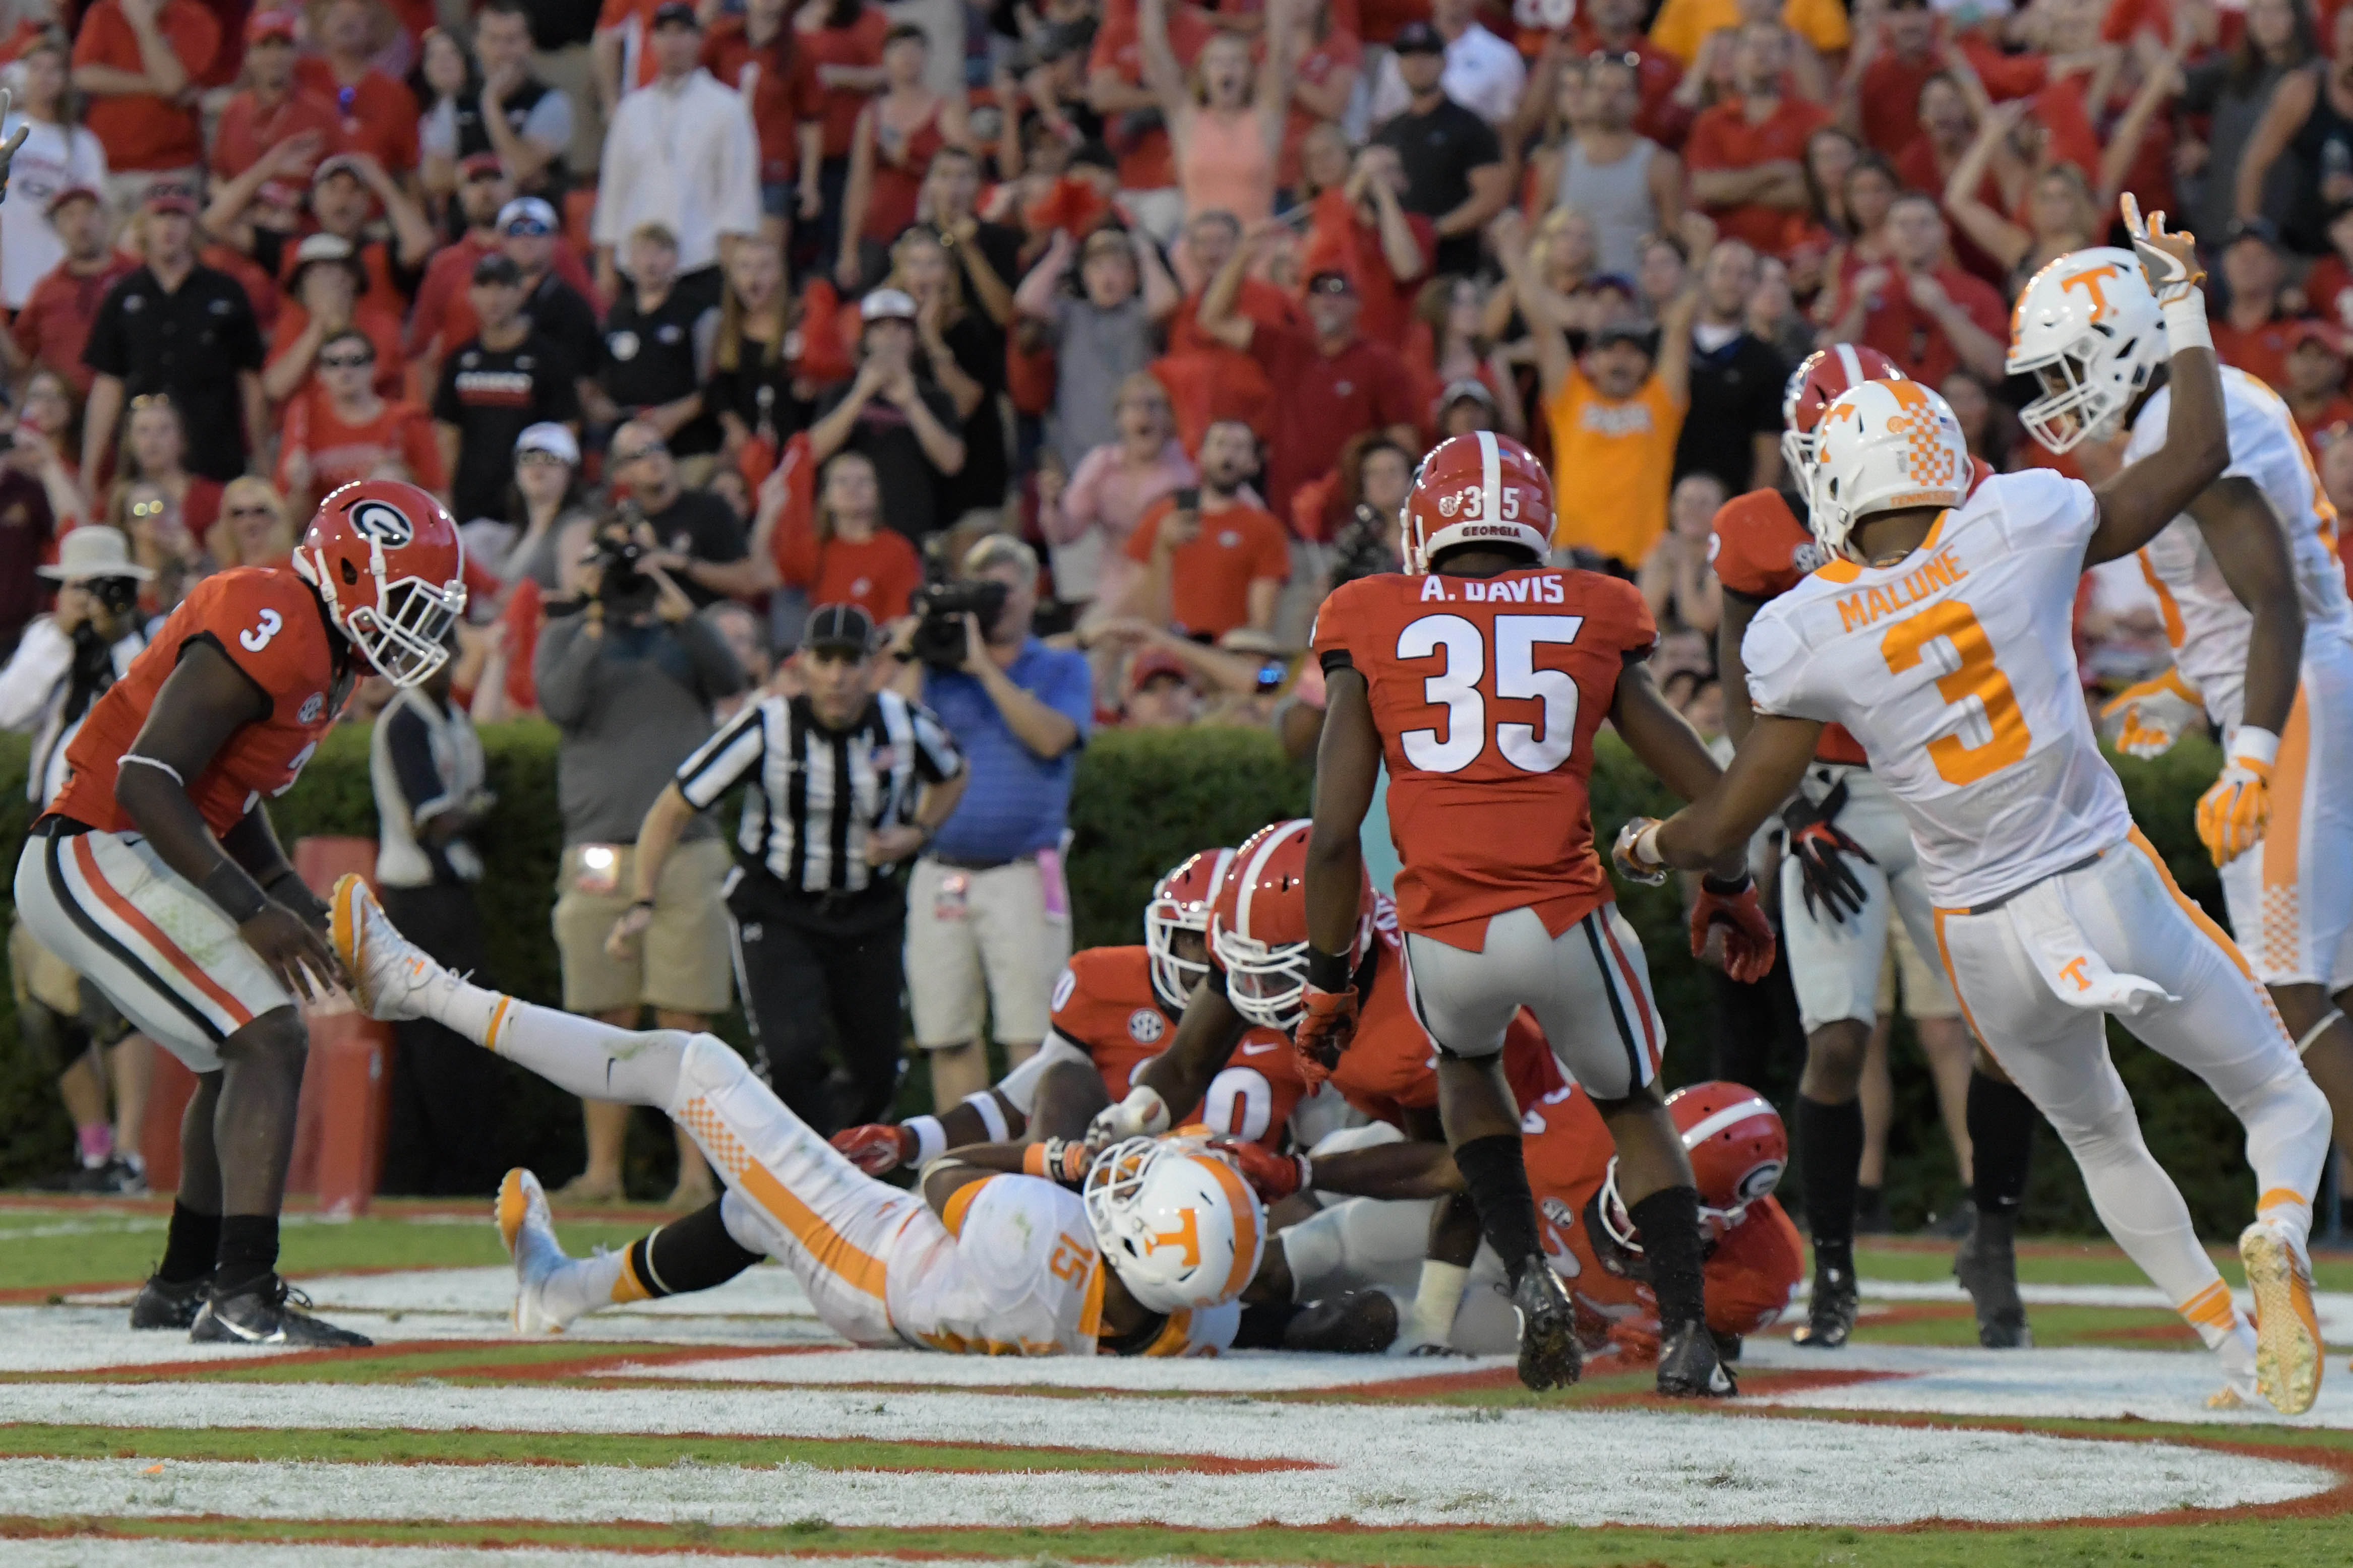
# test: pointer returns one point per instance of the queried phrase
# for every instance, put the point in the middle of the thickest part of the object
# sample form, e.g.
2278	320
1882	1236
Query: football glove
2170	261
1747	948
2233	812
1062	1160
1821	849
2144	721
1636	855
878	1148
1142	1114
1272	1177
1327	1022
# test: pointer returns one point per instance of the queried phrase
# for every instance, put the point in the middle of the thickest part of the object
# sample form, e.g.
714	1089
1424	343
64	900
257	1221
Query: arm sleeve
561	667
41	660
720	762
1069	689
550	120
1777	664
195	37
1329	636
445	406
937	758
409	746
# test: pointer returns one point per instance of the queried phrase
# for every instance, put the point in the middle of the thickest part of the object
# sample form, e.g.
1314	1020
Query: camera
618	553
939	639
117	595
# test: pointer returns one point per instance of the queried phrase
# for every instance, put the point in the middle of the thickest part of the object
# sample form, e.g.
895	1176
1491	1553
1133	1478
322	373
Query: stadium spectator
758	388
2251	333
1327	60
696	538
339	428
987	255
1599	165
509	113
2230	90
988	919
1378	475
1682	28
1664	273
655	356
2315	384
1212	561
1895	53
780	96
378	113
2060	213
1676	580
1160	693
273	108
1991	429
899	132
629	674
1615	28
34	453
897	415
346	192
530	235
1944	128
324	298
1480	71
848	556
1746	154
2308	122
840	44
1920	310
1773	317
1109	492
161	542
681	153
964	351
1225	125
1102	334
57	159
550	516
442	319
53	321
1733	429
253	529
491	387
136	62
1454	170
1361	228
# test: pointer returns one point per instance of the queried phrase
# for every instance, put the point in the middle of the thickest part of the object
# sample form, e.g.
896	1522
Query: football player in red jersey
1479	676
1856	869
155	873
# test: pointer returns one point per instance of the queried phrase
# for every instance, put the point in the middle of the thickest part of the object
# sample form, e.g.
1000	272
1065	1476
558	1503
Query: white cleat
529	1231
389	972
2288	1355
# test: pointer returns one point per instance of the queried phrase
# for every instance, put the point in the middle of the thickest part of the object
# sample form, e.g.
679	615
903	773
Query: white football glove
1143	1114
2168	261
2145	721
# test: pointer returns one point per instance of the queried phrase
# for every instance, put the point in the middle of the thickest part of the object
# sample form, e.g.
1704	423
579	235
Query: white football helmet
1176	1223
1820	378
2089	330
1883	445
1181	900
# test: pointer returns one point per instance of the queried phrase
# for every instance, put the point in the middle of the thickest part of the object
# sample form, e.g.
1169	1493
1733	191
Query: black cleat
1549	1353
1690	1367
1830	1318
268	1312
117	1178
1727	1347
1987	1267
168	1303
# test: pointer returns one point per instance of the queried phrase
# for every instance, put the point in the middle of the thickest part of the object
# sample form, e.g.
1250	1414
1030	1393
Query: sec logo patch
1144	1026
312	706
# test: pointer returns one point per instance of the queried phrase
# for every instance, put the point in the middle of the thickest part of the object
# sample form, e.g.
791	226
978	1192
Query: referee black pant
442	1137
808	981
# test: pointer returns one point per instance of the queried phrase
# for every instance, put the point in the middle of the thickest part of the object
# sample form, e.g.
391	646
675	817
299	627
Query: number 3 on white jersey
1456	688
1976	675
258	638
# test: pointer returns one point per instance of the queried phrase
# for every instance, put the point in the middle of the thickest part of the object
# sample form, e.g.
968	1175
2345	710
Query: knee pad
706	1064
744	1225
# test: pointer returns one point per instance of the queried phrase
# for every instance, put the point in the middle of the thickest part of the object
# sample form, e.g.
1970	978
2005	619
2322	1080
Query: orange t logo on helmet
2089	282
1188	1234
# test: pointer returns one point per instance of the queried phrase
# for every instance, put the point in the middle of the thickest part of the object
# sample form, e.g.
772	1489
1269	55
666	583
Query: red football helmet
1258	925
1737	1148
386	558
1814	385
1181	900
1477	489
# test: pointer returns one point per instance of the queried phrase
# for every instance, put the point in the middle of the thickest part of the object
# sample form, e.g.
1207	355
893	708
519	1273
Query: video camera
618	553
939	639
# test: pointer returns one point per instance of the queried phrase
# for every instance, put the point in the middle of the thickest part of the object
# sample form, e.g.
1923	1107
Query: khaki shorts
1927	993
682	964
997	950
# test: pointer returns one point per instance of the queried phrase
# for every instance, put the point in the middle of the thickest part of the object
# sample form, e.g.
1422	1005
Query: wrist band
992	1115
1726	886
2185	323
931	1139
228	886
641	903
1327	971
2256	745
1644	850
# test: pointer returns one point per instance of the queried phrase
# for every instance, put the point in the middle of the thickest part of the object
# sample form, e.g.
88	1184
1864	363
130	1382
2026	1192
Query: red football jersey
268	623
1391	1063
1105	1006
1486	692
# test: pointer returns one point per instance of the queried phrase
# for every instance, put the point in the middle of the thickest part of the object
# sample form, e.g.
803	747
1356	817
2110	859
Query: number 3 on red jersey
1535	749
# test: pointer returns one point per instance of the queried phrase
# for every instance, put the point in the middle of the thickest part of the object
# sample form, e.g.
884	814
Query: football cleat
1986	1266
1549	1353
389	972
528	1229
1690	1367
1829	1316
2288	1355
168	1304
1727	1347
268	1312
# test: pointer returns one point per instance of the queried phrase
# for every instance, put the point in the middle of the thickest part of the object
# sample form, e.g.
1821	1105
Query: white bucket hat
93	551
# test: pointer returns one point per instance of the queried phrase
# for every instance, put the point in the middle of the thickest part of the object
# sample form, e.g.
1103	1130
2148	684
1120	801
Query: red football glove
878	1148
1747	949
1272	1177
1327	1021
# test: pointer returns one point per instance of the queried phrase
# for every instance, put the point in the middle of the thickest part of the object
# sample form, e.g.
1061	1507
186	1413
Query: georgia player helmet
1181	900
386	560
1258	926
2088	329
1737	1149
1817	382
1882	446
1176	1222
1476	488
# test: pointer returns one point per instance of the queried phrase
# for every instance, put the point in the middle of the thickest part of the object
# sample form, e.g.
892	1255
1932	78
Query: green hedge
1141	802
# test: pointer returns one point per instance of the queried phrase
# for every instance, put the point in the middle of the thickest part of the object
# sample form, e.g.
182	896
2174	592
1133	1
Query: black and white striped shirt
821	792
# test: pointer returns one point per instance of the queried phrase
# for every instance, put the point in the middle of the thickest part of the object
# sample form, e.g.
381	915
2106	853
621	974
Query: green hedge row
1143	802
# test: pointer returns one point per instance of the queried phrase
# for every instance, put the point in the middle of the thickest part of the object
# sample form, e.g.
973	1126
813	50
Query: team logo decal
1761	1180
1144	1026
382	522
1810	557
312	706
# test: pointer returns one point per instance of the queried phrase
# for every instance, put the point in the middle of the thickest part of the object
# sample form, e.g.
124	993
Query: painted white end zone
97	1552
2332	1307
1406	1466
1237	1372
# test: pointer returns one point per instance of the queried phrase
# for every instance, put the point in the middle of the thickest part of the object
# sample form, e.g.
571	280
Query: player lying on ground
997	1254
1938	634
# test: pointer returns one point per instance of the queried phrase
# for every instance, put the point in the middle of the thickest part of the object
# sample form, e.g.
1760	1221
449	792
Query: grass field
731	1425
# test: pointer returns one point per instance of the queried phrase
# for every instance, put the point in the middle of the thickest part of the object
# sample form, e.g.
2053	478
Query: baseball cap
70	193
676	14
2313	330
163	197
1151	663
1418	38
341	163
887	305
481	164
1644	334
270	24
839	626
498	268
2253	229
527	215
1330	281
549	437
1470	387
325	248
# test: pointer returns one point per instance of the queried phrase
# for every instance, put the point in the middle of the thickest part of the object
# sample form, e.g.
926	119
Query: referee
848	783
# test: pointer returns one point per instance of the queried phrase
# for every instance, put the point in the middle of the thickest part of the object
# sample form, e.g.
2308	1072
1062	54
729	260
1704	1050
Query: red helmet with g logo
1814	385
1181	901
386	558
1258	927
1477	489
1737	1148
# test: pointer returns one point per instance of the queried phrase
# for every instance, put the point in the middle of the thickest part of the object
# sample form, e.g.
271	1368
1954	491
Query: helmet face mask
407	646
1181	903
1175	1221
386	562
1737	1147
1258	931
2089	330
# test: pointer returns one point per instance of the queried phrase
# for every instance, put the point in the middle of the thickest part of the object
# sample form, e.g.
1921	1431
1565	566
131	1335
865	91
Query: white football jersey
2203	619
1954	667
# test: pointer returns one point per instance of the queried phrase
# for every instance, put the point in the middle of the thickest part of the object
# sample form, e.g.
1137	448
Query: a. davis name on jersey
1546	590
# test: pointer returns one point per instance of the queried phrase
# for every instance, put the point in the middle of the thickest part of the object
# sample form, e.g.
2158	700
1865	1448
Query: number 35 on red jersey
1486	692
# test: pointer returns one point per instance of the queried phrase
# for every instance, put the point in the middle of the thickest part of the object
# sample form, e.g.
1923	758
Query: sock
248	1251
2287	1125
1668	1223
581	1056
1437	1297
1498	1179
691	1254
2289	1209
1866	1199
2001	1123
1829	1140
2216	1318
191	1246
96	1140
136	1160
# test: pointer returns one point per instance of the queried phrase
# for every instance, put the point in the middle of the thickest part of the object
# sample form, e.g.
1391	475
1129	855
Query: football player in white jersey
1004	1249
2261	634
1939	633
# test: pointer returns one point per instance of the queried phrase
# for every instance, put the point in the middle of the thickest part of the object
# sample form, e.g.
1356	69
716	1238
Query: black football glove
1820	849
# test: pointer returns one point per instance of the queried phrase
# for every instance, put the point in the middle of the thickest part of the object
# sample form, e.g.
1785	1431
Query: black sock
1668	1223
1829	1142
248	1251
691	1254
2002	1142
1498	1179
190	1246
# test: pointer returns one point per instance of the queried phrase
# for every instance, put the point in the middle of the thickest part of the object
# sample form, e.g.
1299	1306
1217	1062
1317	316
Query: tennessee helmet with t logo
1819	380
2090	331
1176	1222
1477	489
1884	446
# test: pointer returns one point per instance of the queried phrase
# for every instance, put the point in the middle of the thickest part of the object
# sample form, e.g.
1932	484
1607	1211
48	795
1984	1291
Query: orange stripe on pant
1945	956
831	1250
170	951
2282	841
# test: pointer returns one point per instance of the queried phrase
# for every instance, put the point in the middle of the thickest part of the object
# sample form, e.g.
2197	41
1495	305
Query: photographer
989	917
629	673
65	662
